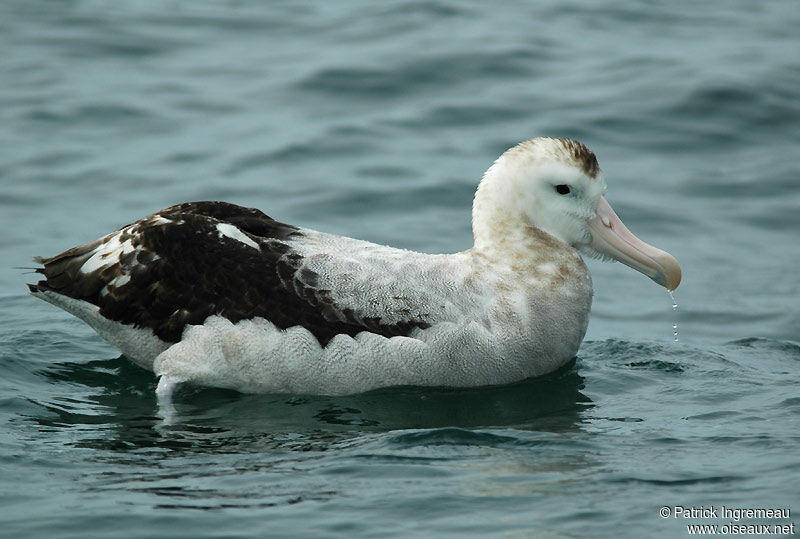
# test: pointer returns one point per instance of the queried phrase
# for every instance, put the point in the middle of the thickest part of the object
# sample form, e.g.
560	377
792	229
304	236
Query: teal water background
376	120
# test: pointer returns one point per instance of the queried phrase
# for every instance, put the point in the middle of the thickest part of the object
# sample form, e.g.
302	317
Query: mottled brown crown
583	156
565	150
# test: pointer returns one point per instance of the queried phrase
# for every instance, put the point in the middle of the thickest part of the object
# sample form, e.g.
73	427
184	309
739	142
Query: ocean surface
377	120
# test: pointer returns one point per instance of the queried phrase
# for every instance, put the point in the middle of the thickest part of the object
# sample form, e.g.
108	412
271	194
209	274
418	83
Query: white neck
499	224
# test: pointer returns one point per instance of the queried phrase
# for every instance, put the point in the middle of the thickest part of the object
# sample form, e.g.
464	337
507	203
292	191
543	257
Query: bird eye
562	189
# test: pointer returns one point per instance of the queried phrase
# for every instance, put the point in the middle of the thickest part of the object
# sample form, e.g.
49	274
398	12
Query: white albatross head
556	186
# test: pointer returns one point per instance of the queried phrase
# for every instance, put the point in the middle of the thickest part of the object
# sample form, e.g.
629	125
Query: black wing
175	267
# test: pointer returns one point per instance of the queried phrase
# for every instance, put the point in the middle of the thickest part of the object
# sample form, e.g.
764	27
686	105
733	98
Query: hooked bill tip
669	275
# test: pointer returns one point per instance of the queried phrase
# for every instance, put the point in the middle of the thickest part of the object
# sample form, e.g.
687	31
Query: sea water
377	121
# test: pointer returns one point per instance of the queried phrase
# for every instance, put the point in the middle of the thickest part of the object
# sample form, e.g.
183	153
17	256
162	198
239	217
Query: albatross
220	295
